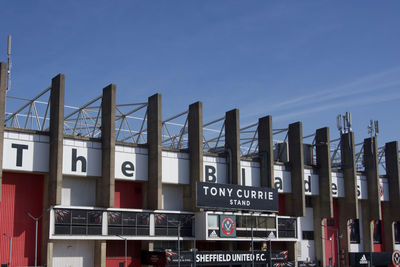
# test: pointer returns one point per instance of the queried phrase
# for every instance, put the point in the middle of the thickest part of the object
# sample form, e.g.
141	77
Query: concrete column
266	151
371	172
3	78
56	139
390	208
324	172
100	249
323	203
296	201
319	231
154	184
371	208
195	127
49	258
53	181
347	206
106	184
232	144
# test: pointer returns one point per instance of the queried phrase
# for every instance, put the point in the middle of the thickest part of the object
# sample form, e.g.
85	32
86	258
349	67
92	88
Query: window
377	232
308	235
397	232
212	221
166	224
128	223
77	222
354	228
287	227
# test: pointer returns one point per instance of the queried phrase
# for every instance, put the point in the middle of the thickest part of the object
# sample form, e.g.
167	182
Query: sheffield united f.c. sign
236	197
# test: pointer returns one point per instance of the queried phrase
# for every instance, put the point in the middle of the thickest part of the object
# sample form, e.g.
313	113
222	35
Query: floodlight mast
8	86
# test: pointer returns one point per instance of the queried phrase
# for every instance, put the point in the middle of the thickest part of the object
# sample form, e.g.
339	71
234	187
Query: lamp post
36	219
126	249
9	256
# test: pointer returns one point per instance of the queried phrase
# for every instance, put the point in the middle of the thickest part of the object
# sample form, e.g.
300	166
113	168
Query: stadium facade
107	185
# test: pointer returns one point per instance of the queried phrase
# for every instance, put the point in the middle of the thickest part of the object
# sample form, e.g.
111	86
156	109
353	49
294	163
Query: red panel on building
128	195
331	230
116	253
20	192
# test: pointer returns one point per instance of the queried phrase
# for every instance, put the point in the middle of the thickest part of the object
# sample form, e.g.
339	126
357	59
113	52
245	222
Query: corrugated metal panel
21	192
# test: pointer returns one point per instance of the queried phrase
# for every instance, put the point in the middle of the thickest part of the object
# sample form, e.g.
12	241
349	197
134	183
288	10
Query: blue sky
295	60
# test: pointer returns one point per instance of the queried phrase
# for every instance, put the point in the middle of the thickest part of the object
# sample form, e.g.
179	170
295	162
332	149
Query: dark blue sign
236	197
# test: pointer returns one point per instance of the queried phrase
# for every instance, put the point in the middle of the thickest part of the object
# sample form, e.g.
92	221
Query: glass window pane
160	220
95	217
251	222
79	216
271	223
212	220
129	219
241	221
114	218
62	216
143	219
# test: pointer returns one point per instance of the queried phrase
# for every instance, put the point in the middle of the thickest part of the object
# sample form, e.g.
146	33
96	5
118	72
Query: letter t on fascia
205	189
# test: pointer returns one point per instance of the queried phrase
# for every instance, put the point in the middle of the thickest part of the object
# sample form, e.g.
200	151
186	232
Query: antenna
343	122
339	123
8	87
373	128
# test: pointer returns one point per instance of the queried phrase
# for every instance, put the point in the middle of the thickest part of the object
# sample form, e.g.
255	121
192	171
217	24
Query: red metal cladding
116	253
281	205
128	195
20	192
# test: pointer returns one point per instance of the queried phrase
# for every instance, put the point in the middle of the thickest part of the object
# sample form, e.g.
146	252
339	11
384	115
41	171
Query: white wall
73	254
175	168
78	191
252	173
220	166
172	197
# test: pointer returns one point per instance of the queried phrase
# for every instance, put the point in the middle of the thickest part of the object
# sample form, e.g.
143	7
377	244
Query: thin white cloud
362	101
370	83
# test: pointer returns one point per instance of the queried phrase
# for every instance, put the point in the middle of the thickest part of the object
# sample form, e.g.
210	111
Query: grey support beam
372	175
3	77
323	203
393	175
266	151
56	139
232	144
371	208
348	205
390	208
106	184
295	201
154	184
195	128
324	172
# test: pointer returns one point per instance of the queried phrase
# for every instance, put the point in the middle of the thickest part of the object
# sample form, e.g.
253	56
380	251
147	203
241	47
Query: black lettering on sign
210	174
278	183
20	149
75	159
243	176
358	191
334	189
307	184
127	168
